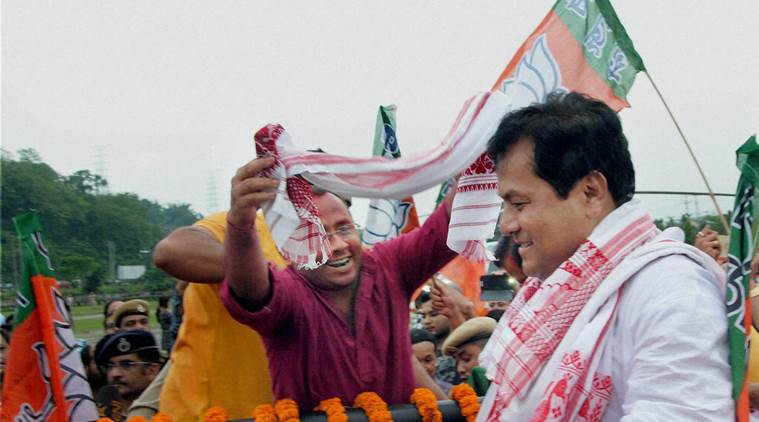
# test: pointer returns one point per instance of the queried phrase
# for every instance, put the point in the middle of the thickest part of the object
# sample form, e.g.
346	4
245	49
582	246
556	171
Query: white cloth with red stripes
549	357
294	220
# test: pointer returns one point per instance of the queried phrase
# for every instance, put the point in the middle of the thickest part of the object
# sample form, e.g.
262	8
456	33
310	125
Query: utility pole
100	168
211	197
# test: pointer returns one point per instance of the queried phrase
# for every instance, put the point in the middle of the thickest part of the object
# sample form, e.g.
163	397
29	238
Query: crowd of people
593	314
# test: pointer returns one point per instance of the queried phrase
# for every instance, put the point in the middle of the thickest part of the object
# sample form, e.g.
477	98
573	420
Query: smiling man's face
547	228
344	264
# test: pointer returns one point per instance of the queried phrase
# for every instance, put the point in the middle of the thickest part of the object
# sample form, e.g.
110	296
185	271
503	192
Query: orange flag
44	380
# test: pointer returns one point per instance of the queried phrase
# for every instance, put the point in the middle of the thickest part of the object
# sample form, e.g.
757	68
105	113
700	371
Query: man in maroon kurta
342	328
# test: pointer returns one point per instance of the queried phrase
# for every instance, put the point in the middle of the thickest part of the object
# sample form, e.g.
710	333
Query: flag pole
690	150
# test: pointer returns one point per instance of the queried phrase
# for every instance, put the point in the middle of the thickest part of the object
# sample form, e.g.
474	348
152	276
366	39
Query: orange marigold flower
426	405
334	409
161	417
104	420
467	399
374	407
286	410
264	413
137	419
215	414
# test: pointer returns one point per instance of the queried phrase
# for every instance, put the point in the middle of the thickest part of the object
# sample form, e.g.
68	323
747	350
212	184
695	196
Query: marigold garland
104	420
334	409
286	410
161	417
426	405
374	407
467	399
215	414
264	413
137	419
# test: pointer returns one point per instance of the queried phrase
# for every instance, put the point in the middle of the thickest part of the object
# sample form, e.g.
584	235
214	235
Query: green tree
85	182
78	225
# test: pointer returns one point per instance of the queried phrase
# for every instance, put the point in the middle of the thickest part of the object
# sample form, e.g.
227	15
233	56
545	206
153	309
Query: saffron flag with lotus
44	380
388	218
579	46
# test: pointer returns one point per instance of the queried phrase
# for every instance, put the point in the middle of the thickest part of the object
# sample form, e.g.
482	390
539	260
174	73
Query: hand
708	241
442	298
250	191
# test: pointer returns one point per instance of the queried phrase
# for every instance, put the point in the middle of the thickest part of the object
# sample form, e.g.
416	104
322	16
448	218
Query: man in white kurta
618	321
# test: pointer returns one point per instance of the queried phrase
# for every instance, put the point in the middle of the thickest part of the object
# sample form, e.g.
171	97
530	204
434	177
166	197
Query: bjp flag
44	377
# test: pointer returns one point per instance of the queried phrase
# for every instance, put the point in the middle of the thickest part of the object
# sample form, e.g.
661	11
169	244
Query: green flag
739	271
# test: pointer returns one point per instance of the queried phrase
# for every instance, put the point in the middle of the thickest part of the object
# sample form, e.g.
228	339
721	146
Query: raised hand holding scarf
294	220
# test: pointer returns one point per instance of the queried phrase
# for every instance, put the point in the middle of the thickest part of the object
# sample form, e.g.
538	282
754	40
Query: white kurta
669	347
667	350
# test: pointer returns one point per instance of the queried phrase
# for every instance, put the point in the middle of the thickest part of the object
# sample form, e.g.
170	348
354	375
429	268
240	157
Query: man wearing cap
130	361
496	291
465	344
132	315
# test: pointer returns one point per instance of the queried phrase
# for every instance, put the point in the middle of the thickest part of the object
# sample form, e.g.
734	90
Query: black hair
503	249
163	301
6	335
424	296
419	335
496	314
573	135
85	354
503	246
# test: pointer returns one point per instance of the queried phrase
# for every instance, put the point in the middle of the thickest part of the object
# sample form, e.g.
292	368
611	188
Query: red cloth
312	353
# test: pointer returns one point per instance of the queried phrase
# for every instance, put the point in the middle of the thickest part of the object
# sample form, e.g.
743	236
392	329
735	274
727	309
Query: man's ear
598	199
153	370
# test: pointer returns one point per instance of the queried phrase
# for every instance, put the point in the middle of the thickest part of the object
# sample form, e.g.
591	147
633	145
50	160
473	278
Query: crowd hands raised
256	329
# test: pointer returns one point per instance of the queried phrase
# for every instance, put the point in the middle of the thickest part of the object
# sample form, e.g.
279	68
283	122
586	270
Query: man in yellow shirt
216	361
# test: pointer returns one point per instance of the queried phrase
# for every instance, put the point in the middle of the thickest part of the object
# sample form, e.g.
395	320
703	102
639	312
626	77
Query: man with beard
130	360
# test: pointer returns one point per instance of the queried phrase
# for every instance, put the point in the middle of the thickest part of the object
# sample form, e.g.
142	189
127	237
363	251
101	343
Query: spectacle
343	232
125	365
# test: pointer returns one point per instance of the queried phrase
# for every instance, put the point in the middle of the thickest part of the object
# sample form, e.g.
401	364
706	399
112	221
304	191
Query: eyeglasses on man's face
344	231
124	365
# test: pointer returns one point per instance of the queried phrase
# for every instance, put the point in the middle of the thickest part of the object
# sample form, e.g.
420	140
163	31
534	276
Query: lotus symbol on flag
537	75
389	218
391	143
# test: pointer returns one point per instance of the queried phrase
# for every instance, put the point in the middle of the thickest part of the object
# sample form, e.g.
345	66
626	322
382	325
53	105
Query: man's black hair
504	248
573	135
419	335
424	296
6	333
496	314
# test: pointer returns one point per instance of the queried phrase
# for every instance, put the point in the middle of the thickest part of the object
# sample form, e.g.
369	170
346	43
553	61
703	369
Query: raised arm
192	254
245	263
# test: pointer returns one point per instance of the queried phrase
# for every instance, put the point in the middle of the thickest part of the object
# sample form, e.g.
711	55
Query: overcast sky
169	93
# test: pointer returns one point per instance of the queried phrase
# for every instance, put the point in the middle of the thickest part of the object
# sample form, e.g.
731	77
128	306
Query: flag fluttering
740	253
579	46
388	218
44	379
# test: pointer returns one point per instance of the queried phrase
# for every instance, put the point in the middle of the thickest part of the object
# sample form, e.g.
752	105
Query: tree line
84	227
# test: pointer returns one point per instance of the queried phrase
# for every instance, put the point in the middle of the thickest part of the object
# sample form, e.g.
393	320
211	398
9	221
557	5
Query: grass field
88	321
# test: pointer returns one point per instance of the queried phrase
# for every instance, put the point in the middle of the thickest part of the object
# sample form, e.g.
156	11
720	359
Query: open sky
166	95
